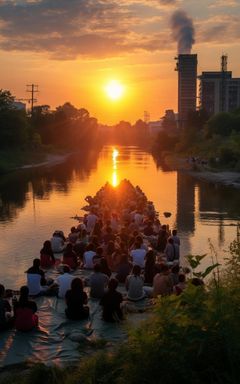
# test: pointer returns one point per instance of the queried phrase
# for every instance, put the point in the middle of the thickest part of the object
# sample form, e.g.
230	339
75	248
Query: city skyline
72	50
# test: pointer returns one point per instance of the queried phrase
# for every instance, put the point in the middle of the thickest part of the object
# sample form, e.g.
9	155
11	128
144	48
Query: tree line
67	126
216	138
64	127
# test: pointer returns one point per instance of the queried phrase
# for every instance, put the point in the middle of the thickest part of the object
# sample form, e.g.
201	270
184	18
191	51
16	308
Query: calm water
33	203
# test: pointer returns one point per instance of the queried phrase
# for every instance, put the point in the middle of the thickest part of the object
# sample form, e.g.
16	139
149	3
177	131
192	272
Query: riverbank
19	159
202	172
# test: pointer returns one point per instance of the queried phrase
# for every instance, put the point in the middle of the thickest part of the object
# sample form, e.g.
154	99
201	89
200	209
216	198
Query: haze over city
75	50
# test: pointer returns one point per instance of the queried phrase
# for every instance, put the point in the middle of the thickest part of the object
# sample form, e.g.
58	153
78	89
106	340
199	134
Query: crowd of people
121	241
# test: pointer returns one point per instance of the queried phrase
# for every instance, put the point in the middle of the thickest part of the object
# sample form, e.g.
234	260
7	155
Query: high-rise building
219	92
187	86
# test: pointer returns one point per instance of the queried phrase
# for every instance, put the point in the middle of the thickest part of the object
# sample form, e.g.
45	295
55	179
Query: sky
73	48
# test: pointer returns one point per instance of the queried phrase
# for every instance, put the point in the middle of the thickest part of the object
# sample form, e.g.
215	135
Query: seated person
64	282
57	242
36	281
109	235
97	282
162	282
88	257
70	257
138	255
134	284
24	311
104	267
150	269
73	235
99	254
123	269
179	288
171	251
111	302
6	319
76	300
148	229
47	258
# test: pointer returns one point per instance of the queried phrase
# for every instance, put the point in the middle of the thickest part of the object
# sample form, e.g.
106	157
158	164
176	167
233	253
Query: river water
35	202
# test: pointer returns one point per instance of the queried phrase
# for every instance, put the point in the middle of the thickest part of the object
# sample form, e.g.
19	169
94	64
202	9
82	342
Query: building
19	105
219	91
155	127
187	86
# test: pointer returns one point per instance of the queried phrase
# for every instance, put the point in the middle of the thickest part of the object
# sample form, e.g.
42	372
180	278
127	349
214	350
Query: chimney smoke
183	31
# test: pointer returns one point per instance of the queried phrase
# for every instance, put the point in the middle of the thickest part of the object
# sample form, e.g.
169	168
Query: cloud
224	4
66	29
223	29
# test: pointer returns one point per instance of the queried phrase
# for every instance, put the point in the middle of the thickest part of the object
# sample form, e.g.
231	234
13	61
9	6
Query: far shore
227	178
50	161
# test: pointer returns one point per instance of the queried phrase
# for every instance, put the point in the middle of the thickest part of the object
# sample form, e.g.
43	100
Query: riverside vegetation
216	139
191	338
28	138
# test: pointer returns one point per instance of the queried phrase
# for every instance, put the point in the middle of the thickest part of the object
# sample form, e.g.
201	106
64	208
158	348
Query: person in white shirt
88	257
138	255
134	284
64	282
57	243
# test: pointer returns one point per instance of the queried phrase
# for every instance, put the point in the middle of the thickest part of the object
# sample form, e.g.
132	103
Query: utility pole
32	88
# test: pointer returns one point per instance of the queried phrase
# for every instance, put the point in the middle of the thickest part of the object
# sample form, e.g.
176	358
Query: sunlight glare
115	154
115	181
114	90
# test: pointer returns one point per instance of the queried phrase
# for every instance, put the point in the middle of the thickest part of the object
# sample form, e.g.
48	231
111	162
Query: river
35	202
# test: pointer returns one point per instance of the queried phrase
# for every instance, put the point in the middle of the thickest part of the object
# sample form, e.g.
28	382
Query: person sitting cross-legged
25	311
76	300
111	302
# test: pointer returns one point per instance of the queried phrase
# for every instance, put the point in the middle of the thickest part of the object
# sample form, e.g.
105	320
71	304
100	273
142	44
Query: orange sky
71	49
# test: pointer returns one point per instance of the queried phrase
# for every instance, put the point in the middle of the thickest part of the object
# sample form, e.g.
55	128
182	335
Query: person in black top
76	299
150	269
111	301
123	269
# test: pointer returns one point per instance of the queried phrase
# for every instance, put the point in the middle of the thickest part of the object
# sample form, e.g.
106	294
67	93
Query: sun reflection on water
114	180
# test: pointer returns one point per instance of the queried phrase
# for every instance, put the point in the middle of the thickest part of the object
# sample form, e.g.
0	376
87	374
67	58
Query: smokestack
183	31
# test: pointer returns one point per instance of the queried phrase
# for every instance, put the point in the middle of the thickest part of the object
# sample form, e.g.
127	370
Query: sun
114	90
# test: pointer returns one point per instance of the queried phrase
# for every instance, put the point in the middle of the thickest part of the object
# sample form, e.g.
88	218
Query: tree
220	124
6	100
197	119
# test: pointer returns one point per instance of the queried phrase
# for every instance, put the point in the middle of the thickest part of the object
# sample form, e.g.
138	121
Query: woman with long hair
47	259
25	311
70	257
150	269
76	300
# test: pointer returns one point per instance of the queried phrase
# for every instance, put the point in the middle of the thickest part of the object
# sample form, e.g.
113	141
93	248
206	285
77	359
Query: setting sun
114	90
